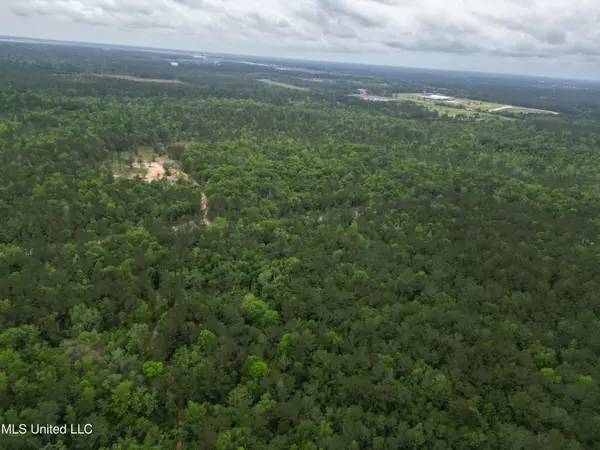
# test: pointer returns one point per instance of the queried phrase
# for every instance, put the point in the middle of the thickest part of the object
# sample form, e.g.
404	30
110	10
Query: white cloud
499	28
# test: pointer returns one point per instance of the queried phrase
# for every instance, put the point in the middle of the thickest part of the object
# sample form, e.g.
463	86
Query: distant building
174	64
362	91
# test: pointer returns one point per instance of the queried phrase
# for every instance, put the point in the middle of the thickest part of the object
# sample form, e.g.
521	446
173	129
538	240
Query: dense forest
368	276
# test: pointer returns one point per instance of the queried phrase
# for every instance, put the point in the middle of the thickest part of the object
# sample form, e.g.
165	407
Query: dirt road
501	108
207	221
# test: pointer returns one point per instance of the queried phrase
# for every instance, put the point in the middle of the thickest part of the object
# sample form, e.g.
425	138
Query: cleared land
146	165
374	98
130	78
315	80
446	107
443	108
474	106
283	85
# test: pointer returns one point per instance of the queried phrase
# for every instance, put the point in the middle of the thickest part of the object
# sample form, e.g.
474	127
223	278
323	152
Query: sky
534	37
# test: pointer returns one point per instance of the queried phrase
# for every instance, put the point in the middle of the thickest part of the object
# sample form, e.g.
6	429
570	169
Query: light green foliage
153	368
547	372
284	344
5	304
206	339
121	397
257	369
360	276
266	404
258	311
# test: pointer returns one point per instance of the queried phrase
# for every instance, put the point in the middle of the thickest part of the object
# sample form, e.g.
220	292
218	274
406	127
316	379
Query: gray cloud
344	9
22	13
500	28
435	45
194	4
388	2
556	37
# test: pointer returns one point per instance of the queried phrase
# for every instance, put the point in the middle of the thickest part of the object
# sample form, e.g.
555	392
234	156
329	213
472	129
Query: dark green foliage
371	279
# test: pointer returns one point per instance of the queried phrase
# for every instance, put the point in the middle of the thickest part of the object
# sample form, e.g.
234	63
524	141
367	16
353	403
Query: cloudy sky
541	37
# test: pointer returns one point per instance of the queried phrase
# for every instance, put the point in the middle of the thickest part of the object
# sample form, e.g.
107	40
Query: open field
476	106
314	80
130	78
495	107
374	98
517	109
450	111
434	106
283	85
444	107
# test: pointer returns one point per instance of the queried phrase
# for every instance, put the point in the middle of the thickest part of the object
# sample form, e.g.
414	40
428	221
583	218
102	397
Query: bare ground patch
155	170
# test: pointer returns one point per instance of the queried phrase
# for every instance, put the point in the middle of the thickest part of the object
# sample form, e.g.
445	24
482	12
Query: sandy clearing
154	170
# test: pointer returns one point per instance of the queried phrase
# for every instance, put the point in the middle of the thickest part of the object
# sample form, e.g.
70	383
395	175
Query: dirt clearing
155	170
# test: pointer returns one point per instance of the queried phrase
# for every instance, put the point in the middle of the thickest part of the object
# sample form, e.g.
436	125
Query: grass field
130	78
283	85
516	109
477	106
442	108
314	80
374	98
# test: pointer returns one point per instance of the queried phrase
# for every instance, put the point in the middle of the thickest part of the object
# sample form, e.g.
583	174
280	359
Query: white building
437	97
174	64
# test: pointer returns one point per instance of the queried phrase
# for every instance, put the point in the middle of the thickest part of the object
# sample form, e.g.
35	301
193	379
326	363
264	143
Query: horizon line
10	38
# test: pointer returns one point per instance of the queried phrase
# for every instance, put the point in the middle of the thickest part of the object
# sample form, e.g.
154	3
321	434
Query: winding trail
204	207
207	221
